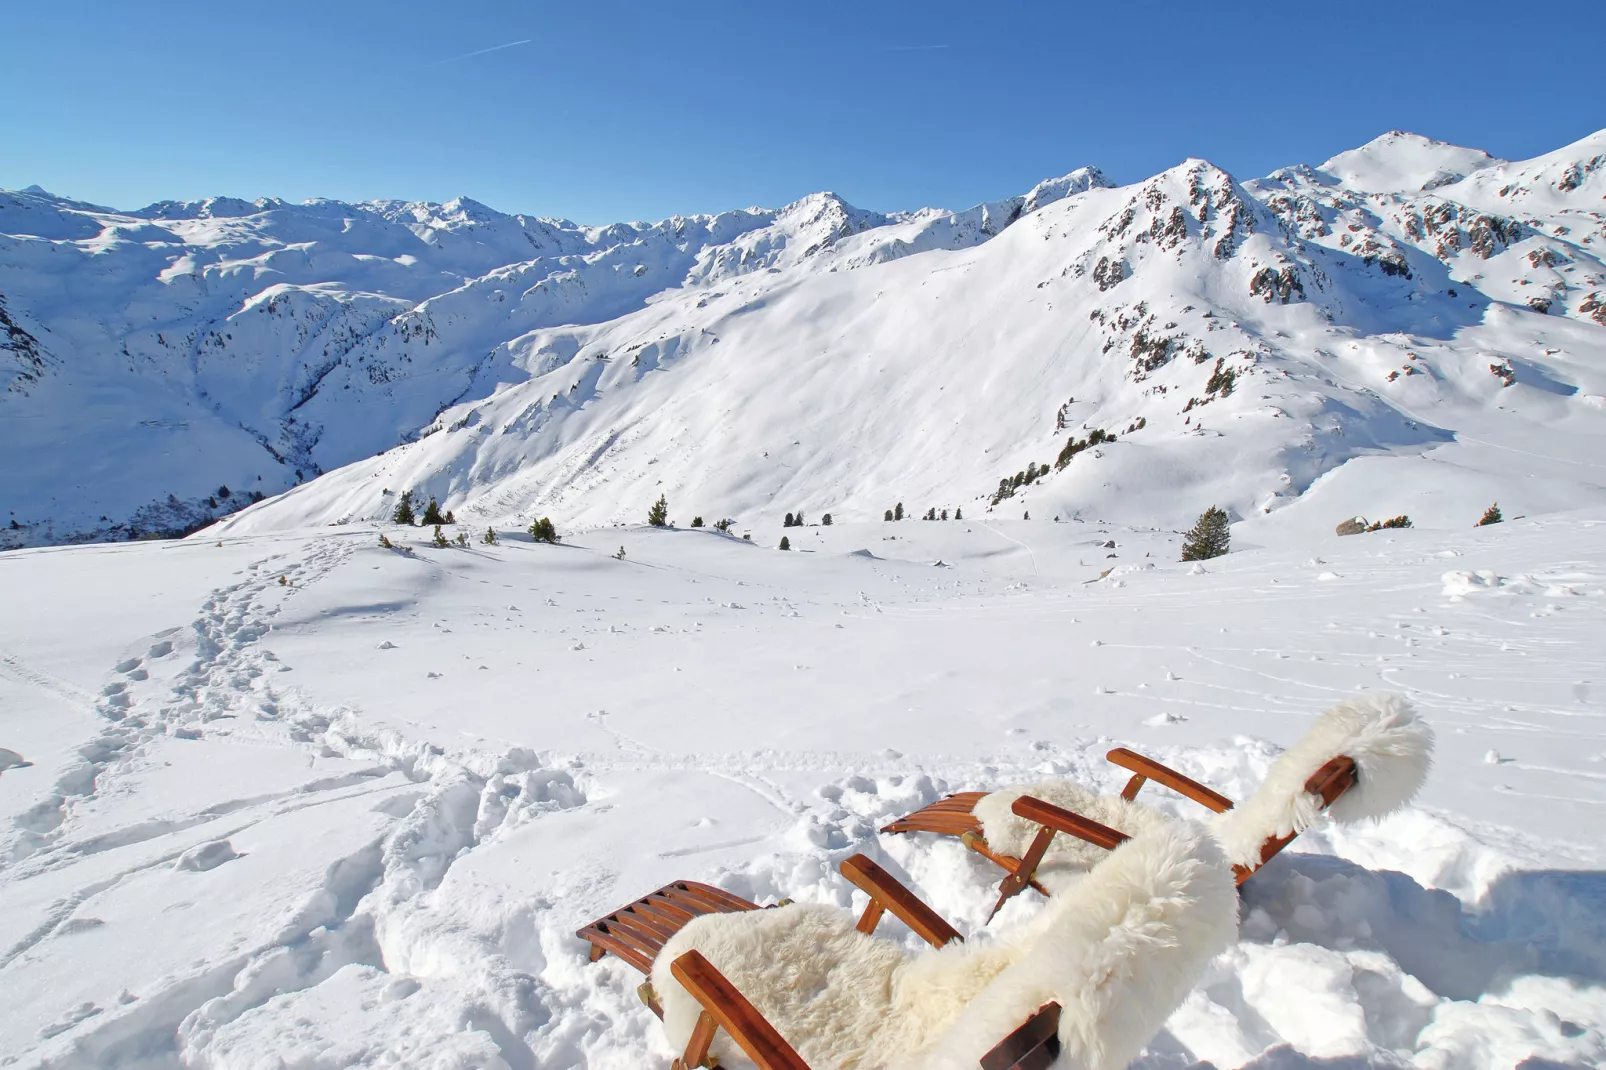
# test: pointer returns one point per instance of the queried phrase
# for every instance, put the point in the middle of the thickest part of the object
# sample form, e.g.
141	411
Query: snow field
353	818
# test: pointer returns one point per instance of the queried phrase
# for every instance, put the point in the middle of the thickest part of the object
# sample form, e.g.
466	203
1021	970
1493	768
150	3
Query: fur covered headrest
1392	748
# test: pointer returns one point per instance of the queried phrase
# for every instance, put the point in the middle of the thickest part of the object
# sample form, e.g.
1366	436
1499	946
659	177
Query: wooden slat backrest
885	891
951	816
637	932
731	1010
1149	769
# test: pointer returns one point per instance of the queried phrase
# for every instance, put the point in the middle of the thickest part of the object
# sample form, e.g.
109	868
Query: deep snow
301	800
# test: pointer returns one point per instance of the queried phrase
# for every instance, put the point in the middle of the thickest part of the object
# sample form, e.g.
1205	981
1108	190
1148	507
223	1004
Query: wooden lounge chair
637	932
1092	977
1362	759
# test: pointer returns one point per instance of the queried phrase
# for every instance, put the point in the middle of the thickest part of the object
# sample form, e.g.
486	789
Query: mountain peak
1402	162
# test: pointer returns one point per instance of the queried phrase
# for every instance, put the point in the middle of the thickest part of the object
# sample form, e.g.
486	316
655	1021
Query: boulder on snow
1353	526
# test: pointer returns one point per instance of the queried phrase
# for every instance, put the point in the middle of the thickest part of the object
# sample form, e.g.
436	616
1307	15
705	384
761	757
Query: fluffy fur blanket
1392	748
1119	951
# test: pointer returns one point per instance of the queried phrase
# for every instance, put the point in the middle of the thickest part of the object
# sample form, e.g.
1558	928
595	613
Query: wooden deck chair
637	932
1091	978
1362	759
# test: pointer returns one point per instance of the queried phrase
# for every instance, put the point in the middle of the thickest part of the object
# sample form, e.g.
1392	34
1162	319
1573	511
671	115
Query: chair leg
1016	882
702	1036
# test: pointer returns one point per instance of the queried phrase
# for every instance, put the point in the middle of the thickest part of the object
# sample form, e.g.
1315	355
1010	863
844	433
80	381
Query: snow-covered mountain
1411	327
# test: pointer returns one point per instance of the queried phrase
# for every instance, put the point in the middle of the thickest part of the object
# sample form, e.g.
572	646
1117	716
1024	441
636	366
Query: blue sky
601	110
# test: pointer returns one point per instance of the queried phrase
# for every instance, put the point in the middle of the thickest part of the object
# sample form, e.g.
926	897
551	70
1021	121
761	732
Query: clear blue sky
601	110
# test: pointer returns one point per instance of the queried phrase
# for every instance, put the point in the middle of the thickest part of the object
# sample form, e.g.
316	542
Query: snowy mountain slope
298	799
1242	344
188	338
1255	339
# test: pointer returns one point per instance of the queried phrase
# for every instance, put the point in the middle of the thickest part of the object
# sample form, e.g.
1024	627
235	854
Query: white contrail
481	52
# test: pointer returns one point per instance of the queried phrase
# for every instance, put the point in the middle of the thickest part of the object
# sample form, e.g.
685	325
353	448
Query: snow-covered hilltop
1411	327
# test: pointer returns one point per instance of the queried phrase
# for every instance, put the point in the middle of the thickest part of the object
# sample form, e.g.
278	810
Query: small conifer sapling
786	544
897	513
440	537
825	521
432	514
1491	515
696	521
404	509
489	538
658	515
1209	537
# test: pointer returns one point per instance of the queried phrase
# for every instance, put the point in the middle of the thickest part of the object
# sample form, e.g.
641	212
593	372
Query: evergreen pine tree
451	517
897	513
786	544
658	515
404	509
462	539
440	537
489	538
787	522
888	517
432	514
1028	515
1491	515
723	524
945	514
959	514
541	530
696	521
1208	537
797	519
825	521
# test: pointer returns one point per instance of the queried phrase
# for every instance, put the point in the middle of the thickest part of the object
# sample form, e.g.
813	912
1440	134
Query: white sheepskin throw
1392	748
1068	857
1119	952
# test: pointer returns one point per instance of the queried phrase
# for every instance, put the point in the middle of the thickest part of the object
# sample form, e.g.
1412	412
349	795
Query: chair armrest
1149	769
1061	820
887	894
1033	1046
733	1013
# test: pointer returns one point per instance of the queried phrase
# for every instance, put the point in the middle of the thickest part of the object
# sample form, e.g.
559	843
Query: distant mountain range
1411	327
